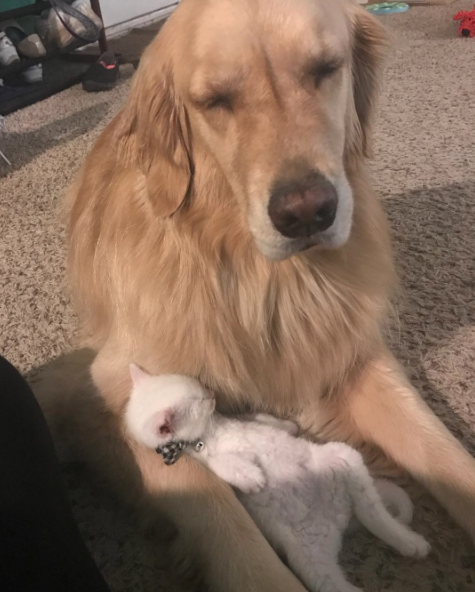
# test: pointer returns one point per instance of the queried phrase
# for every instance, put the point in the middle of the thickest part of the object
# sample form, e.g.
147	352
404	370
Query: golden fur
165	221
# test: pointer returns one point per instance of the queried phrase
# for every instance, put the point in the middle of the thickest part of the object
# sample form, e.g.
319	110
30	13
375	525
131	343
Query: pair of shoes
9	55
103	74
54	30
28	46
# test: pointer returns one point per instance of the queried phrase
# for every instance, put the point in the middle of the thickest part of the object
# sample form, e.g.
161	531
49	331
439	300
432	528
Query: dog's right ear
156	128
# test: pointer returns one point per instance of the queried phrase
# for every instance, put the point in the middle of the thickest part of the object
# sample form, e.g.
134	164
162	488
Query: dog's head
279	94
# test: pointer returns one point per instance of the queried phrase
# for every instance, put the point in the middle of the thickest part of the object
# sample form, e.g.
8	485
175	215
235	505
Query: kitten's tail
396	500
371	512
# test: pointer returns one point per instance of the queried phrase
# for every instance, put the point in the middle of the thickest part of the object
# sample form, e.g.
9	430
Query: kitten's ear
163	422
137	374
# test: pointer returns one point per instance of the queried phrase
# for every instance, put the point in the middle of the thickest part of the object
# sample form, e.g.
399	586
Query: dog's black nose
465	32
303	207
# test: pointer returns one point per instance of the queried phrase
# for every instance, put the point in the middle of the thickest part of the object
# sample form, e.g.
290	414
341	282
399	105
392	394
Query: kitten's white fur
302	495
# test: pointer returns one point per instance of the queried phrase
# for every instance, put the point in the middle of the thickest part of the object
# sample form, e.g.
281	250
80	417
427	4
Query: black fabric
41	549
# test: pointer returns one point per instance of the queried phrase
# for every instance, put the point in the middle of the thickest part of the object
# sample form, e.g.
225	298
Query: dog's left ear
368	48
155	128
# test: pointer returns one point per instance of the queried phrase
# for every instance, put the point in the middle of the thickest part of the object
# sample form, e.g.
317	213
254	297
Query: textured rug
424	169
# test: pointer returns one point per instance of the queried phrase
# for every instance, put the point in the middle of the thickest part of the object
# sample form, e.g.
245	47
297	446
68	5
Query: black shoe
103	74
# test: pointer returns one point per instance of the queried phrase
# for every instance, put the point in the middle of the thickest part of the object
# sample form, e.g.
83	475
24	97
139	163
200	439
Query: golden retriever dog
224	227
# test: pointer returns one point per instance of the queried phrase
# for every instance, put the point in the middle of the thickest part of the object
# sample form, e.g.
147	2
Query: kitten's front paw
254	480
290	427
282	424
415	545
259	480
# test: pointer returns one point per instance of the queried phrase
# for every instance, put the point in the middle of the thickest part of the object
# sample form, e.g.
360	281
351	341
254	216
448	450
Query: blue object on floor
387	8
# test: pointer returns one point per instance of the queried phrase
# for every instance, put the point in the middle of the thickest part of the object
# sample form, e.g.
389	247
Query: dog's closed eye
217	102
320	70
214	98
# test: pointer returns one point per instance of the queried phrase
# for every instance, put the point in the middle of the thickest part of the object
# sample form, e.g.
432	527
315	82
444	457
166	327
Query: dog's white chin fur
277	247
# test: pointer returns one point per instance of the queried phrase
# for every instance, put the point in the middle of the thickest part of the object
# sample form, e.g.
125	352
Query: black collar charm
171	451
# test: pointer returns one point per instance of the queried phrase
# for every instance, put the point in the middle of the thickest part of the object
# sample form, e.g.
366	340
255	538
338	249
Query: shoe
84	7
33	74
8	53
58	32
43	31
103	74
29	46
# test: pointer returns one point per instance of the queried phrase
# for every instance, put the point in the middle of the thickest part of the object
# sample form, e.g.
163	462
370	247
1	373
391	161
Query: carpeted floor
424	168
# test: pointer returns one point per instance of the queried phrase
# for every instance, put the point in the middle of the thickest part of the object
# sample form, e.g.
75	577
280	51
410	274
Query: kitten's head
167	408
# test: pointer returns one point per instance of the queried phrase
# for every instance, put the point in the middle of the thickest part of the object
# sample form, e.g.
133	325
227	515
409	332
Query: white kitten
302	495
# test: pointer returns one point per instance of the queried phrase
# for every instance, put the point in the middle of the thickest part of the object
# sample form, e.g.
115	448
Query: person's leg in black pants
41	549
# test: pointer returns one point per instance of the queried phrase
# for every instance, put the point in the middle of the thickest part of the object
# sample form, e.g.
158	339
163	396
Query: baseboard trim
140	21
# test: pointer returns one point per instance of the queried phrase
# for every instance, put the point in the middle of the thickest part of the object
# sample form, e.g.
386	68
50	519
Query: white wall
116	12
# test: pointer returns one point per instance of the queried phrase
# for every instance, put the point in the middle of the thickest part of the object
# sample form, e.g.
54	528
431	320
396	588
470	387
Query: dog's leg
213	528
383	408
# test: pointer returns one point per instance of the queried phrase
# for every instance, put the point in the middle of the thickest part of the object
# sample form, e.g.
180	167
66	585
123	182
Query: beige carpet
425	171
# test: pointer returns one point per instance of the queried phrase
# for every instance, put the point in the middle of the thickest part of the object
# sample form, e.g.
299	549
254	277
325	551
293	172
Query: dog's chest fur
196	298
267	330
